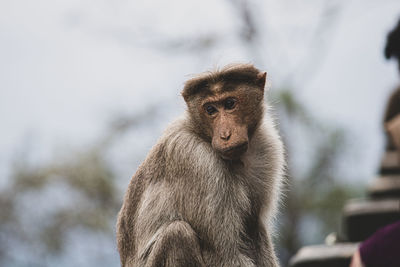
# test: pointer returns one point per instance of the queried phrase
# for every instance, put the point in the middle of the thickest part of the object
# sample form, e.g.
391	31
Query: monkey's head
226	106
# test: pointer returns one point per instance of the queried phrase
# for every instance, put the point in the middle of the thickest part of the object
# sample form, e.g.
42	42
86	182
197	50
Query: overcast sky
67	67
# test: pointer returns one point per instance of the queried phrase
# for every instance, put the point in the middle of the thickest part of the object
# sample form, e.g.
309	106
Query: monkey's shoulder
182	150
179	152
266	148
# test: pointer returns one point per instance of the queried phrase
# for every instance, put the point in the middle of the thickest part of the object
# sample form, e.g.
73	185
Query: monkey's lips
234	152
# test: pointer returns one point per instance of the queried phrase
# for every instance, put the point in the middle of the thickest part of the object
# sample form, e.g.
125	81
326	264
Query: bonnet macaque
208	189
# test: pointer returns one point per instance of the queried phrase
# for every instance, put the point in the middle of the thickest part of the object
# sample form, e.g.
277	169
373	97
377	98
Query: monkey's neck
234	163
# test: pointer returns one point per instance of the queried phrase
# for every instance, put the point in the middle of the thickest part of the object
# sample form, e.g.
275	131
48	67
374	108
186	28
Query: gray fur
186	206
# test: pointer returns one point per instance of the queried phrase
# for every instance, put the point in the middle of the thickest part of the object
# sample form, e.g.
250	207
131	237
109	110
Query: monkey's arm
149	231
127	219
268	257
163	237
174	245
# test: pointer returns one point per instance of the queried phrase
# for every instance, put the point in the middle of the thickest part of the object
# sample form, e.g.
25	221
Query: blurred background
86	88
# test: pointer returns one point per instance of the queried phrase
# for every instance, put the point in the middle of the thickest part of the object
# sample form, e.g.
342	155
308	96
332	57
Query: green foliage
90	197
316	192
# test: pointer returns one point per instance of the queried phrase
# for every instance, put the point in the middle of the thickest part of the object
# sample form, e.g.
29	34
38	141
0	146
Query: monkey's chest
224	219
228	236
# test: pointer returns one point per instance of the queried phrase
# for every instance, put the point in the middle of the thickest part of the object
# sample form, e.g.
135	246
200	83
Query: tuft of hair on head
236	73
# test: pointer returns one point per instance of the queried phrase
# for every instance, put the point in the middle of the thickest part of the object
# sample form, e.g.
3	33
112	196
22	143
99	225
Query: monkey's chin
234	153
230	158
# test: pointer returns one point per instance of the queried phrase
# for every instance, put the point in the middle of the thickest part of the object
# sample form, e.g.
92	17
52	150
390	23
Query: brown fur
199	199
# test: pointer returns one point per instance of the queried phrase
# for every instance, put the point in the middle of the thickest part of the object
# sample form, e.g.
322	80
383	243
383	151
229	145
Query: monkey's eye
210	109
230	103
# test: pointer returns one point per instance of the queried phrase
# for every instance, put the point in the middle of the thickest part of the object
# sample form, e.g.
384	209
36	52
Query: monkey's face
229	118
225	107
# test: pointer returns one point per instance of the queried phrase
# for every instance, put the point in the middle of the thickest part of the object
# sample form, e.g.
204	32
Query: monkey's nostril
225	137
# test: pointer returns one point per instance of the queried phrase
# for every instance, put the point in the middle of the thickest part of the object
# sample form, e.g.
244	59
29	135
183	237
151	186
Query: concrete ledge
385	187
390	163
336	255
362	218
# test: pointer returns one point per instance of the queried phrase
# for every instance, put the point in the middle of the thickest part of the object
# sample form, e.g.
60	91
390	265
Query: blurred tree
80	193
82	185
314	191
82	188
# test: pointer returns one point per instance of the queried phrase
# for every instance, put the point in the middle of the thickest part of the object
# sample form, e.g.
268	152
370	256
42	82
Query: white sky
66	67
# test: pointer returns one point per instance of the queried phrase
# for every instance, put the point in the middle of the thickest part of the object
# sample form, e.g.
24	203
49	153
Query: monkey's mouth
234	152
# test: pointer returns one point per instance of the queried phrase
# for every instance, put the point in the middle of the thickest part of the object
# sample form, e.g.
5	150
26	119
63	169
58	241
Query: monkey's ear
261	78
185	95
188	89
192	87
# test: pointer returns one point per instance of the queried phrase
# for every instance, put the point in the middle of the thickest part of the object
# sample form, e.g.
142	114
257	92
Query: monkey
207	192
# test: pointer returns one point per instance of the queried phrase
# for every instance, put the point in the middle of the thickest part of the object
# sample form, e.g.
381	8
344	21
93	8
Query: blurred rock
338	255
363	217
390	163
385	187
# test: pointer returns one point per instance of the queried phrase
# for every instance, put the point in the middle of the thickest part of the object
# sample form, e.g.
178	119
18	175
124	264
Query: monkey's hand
173	245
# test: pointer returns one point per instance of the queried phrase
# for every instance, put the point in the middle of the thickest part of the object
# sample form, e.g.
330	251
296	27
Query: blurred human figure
392	48
392	114
382	249
392	121
393	128
356	260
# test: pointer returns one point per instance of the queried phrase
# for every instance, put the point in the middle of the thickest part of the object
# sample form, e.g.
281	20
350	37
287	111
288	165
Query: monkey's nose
225	136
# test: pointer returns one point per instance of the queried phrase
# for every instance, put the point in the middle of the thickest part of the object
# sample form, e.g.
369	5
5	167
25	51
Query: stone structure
362	217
